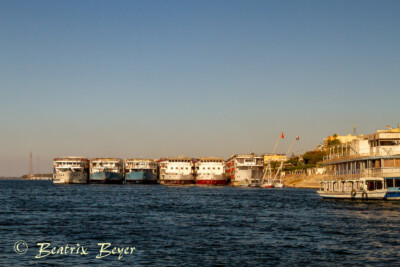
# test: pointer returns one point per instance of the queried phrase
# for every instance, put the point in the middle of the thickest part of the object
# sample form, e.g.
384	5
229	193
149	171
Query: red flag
297	137
282	135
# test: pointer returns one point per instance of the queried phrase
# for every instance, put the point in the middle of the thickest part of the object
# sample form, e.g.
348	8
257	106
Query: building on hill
344	139
274	157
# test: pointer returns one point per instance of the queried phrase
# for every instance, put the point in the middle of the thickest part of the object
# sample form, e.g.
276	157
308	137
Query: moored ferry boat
363	188
210	171
177	171
70	170
106	170
373	155
245	170
141	171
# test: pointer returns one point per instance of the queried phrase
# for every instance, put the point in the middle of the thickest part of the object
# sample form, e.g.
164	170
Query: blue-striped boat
393	188
140	171
106	171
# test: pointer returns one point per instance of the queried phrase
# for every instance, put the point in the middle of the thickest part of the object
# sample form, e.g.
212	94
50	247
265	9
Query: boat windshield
374	185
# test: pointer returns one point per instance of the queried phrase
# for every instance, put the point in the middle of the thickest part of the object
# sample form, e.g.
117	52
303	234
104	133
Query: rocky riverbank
302	181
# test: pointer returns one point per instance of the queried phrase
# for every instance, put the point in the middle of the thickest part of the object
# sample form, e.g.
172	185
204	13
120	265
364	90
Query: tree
312	157
294	160
334	141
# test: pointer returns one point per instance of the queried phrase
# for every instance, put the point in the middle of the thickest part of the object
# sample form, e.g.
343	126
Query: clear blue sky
198	78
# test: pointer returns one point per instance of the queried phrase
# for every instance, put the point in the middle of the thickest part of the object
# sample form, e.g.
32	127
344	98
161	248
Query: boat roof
71	159
333	162
371	178
178	159
252	155
354	180
140	159
106	159
211	159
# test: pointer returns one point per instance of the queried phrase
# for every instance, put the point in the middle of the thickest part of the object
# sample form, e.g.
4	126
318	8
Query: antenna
37	171
30	174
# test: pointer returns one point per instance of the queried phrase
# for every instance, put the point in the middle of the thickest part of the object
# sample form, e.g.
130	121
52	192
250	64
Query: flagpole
297	138
277	143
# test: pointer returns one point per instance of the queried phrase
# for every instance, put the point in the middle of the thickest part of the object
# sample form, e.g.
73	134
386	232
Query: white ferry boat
245	170
106	170
363	188
176	171
373	155
141	171
70	170
210	171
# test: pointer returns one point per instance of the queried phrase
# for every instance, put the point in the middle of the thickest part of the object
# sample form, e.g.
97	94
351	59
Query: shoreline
300	181
303	181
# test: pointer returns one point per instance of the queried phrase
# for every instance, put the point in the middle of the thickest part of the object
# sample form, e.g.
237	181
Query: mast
268	171
280	167
30	174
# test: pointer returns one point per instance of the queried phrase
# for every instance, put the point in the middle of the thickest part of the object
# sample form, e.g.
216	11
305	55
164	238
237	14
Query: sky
193	78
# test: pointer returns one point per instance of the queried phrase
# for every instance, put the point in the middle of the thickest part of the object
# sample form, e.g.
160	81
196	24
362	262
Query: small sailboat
267	181
278	181
267	185
275	182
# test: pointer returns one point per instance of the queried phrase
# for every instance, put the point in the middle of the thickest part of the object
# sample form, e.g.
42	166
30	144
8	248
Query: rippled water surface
195	225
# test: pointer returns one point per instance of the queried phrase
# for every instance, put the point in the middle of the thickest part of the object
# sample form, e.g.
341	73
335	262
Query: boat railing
341	157
359	173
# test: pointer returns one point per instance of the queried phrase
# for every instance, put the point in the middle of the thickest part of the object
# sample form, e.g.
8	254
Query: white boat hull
267	185
70	178
248	177
376	194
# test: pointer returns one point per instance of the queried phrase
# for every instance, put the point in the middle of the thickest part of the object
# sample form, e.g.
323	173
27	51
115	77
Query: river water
195	226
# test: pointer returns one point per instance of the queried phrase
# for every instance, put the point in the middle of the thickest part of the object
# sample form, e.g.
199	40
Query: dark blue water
195	226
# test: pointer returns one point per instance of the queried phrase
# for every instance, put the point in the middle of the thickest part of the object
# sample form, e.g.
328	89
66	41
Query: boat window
389	182
379	185
397	182
390	143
